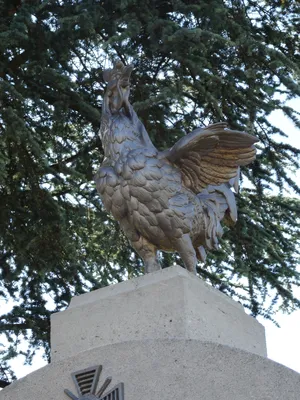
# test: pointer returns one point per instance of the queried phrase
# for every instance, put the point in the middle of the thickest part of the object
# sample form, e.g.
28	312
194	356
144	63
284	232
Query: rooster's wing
211	155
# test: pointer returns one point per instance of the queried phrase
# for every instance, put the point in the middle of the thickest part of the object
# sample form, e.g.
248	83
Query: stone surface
168	304
165	335
167	369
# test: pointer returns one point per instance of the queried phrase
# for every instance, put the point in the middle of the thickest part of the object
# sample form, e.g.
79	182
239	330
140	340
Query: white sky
283	343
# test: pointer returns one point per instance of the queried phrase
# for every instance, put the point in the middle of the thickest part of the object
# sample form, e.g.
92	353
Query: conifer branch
89	147
4	383
14	64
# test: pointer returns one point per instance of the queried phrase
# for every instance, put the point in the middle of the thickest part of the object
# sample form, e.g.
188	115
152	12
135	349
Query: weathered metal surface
172	200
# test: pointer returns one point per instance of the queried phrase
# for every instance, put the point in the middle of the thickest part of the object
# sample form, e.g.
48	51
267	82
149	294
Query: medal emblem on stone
86	382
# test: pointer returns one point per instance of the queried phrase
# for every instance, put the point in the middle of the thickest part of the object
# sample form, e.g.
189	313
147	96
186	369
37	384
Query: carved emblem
86	381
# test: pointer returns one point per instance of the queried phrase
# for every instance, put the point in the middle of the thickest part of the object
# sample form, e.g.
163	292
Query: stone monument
165	335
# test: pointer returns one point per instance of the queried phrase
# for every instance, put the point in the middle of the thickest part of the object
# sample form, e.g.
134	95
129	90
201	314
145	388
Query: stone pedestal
165	335
168	304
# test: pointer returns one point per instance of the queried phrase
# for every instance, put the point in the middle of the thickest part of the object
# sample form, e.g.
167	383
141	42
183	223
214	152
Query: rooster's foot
151	266
186	250
148	252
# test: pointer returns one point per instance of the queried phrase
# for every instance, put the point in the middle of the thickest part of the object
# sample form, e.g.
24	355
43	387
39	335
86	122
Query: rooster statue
170	200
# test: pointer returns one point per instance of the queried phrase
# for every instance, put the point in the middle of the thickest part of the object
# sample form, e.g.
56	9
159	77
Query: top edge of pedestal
156	277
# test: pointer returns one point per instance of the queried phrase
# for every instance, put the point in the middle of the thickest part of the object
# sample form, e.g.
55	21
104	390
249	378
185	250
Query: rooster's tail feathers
217	200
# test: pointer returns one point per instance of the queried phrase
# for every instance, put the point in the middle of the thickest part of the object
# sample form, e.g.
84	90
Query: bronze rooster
169	200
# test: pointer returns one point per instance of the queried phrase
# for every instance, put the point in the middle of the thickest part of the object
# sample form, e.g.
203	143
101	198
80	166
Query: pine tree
196	62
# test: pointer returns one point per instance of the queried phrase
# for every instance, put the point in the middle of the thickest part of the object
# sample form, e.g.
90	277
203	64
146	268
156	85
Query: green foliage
195	62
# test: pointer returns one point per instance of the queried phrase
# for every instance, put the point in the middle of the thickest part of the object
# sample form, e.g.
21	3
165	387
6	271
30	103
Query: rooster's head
118	87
